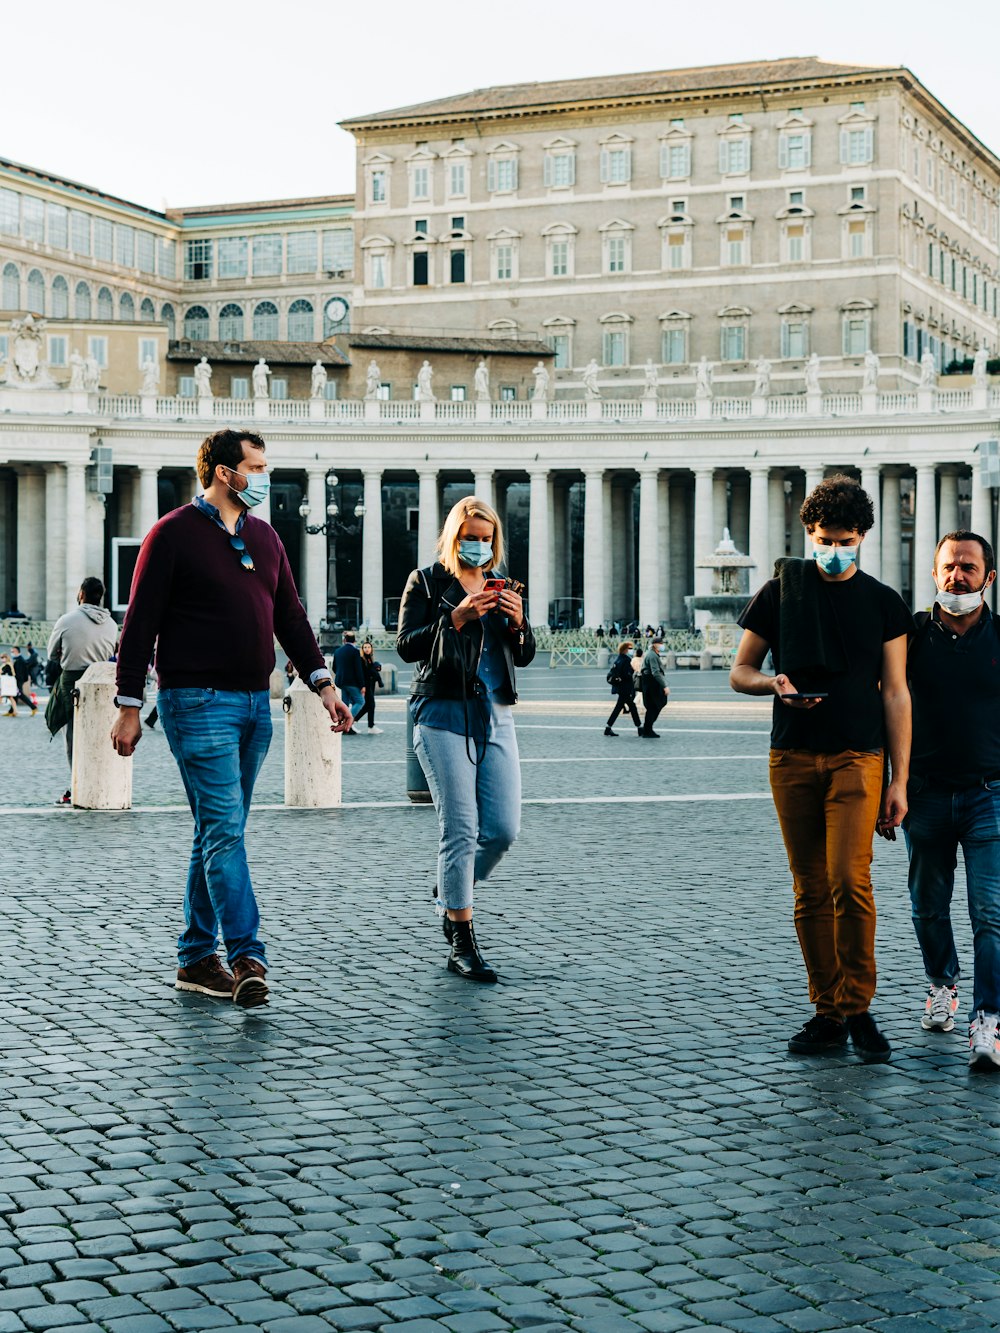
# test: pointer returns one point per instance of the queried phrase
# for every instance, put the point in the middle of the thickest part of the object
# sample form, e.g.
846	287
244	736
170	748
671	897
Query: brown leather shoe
249	985
208	976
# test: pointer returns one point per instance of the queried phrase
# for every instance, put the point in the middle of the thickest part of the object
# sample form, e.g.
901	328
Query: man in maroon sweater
213	589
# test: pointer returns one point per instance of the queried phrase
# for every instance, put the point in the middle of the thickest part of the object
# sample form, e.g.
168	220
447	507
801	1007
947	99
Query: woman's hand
512	606
472	607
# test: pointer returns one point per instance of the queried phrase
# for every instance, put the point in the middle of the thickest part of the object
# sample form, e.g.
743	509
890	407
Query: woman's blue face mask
475	554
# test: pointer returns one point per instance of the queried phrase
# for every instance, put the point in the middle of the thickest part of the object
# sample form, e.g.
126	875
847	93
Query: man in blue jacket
349	675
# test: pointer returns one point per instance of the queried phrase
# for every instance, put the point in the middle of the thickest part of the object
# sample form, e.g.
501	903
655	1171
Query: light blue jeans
478	805
219	739
353	697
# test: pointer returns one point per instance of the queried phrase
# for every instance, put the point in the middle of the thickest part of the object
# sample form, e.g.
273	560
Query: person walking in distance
22	674
838	641
655	690
81	637
8	685
954	788
465	628
621	678
213	589
349	676
373	681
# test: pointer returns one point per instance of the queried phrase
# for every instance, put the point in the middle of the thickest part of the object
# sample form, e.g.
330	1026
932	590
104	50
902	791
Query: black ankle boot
465	959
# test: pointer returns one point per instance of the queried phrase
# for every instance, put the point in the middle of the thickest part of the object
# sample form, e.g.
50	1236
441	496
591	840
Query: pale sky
224	102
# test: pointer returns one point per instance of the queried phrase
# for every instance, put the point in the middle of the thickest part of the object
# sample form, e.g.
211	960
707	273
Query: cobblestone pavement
614	1138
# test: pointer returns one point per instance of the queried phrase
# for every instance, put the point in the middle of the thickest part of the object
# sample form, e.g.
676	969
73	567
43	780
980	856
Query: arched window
147	311
126	306
81	301
36	292
265	321
231	323
301	323
169	317
11	295
105	304
196	322
60	298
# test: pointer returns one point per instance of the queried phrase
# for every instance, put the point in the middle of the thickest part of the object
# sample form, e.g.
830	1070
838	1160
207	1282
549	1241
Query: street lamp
331	526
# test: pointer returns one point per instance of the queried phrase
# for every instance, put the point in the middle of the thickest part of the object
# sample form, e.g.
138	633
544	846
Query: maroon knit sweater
213	622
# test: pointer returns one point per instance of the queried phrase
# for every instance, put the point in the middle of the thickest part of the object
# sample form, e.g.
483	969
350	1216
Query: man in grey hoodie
655	691
79	638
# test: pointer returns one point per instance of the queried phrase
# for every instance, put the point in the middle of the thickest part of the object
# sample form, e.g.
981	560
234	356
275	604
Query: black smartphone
815	694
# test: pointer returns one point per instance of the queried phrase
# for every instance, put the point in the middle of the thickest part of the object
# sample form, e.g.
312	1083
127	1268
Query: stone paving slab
613	1138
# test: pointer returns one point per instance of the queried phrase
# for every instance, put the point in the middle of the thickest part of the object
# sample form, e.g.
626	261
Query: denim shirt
472	716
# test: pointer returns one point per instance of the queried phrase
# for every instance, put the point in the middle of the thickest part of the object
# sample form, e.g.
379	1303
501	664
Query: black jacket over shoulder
430	596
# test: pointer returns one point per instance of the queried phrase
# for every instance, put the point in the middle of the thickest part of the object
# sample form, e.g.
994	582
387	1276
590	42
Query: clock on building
336	309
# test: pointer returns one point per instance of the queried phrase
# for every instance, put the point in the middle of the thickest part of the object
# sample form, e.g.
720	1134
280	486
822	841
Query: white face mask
960	603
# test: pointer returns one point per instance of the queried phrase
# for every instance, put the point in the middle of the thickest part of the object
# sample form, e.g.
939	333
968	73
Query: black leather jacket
430	596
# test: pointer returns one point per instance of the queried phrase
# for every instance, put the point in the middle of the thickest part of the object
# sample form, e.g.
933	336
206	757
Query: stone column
776	524
681	528
539	534
314	543
371	551
720	510
981	520
739	510
31	581
428	515
663	555
704	542
483	488
759	531
56	537
871	550
814	475
149	500
649	547
561	541
924	537
611	553
892	555
618	607
76	528
593	548
948	503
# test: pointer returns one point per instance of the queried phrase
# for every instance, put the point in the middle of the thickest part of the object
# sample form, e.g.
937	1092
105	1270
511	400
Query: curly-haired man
837	638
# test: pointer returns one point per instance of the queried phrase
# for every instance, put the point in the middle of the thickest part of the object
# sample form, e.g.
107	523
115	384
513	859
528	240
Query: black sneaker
819	1035
866	1039
65	799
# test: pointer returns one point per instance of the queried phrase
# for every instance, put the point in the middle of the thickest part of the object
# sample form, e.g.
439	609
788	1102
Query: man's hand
340	715
127	731
893	811
783	686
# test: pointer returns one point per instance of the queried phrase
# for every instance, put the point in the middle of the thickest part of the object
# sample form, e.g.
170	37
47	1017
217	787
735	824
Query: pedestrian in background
655	690
22	674
8	684
349	676
466	630
621	678
81	637
373	681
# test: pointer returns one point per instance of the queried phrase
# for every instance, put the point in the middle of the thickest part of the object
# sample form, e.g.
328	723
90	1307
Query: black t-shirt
955	684
868	615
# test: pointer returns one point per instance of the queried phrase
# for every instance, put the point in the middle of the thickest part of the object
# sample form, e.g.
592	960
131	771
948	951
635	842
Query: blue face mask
835	559
475	554
258	488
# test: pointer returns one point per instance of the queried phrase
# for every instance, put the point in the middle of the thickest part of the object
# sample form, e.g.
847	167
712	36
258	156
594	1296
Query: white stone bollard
102	779
312	751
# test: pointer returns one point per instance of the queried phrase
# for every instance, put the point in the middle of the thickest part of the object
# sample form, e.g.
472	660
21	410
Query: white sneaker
984	1040
939	1011
374	731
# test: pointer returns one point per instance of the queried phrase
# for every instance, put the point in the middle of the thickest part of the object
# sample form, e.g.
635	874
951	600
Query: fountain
715	613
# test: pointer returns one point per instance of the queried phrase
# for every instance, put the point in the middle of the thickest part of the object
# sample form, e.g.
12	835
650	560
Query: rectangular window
508	393
735	246
855	336
559	342
503	263
793	338
379	270
734	341
379	187
148	350
145	251
279	389
857	147
186	386
10	212
124	246
734	157
796	237
457	266
559	259
458	393
267	256
677	250
57	225
4	351
239	387
420	268
614	347
616	254
197	260
560	170
384	393
794	151
338	250
856	238
616	166
674	347
458	223
457	180
330	390
166	258
501	175
420	183
675	161
233	257
301	256
57	350
97	347
79	230
32	218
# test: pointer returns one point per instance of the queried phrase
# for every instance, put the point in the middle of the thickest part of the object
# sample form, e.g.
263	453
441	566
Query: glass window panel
504	262
36	293
614	347
302	255
674	346
147	311
266	321
379	269
301	322
559	251
126	307
60	298
79	228
11	296
148	351
279	389
198	257
379	186
57	350
239	387
232	257
186	386
196	323
231	322
97	347
81	301
268	252
105	304
32	218
559	343
166	259
103	240
169	317
338	250
10	212
124	246
57	225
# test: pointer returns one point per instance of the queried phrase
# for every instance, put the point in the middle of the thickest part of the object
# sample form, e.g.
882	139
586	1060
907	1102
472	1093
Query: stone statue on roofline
150	377
979	372
872	367
77	370
373	378
812	373
703	378
91	374
540	392
651	380
317	384
482	383
590	384
425	389
259	374
203	378
928	370
762	378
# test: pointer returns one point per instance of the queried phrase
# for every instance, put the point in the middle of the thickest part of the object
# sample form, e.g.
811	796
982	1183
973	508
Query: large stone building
770	209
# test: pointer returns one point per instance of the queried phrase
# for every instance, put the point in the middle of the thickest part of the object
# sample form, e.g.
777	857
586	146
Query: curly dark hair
225	447
838	502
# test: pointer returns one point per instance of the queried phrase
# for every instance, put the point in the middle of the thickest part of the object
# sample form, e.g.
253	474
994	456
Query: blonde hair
447	545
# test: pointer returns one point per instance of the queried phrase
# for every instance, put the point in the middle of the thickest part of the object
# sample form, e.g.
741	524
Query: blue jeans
219	739
478	805
938	822
353	697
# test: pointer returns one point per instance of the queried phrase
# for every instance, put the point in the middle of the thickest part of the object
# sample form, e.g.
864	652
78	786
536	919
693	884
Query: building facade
774	209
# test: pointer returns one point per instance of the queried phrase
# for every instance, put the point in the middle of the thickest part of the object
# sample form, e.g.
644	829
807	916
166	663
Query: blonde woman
465	628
